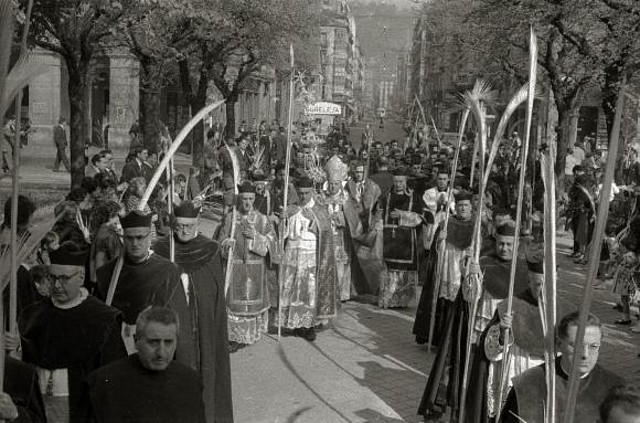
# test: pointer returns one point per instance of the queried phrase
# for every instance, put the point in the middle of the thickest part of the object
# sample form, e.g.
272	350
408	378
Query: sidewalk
36	167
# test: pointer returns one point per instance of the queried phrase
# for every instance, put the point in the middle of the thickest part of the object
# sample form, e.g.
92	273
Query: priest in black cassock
141	278
149	386
68	336
451	248
200	262
446	377
527	398
401	218
527	350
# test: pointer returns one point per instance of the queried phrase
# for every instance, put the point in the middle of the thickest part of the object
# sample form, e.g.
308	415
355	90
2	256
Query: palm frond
27	68
476	100
27	244
6	35
518	98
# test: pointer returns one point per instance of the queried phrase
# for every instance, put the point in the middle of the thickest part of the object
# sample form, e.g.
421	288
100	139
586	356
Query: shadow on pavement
283	356
294	416
373	416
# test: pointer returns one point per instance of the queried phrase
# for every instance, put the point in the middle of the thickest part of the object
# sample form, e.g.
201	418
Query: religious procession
324	263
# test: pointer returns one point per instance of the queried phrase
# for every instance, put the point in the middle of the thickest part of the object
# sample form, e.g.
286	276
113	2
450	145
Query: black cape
79	339
528	395
155	281
528	335
460	234
200	259
125	391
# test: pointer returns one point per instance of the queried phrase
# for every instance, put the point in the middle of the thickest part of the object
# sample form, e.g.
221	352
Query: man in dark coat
527	350
200	262
136	167
141	278
526	401
60	140
446	377
68	336
148	386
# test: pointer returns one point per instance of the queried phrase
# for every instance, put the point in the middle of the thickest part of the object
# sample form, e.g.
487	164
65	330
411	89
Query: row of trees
582	44
197	43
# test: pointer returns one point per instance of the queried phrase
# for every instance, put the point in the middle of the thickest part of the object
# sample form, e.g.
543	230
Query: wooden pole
6	33
287	166
548	177
442	244
171	190
533	54
15	189
479	112
594	255
435	128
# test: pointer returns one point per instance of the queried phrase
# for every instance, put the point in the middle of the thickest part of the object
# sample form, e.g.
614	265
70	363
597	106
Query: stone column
46	93
124	95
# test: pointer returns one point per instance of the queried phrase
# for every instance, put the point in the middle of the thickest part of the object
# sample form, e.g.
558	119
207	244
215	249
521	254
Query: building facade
115	95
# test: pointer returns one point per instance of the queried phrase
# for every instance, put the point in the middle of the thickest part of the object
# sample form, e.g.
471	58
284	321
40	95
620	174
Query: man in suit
136	166
60	139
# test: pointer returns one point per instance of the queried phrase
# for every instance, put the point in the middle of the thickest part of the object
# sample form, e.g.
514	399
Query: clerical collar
568	374
74	303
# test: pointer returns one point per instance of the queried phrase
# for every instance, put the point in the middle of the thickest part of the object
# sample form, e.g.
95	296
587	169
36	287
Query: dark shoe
235	346
310	334
622	322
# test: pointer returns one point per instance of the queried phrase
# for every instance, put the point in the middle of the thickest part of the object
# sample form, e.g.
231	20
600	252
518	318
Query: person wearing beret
200	261
140	278
401	217
526	343
309	282
452	246
67	336
445	379
253	243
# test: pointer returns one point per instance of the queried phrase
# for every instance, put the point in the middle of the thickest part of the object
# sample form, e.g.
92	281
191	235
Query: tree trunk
88	115
230	106
566	131
78	77
197	135
150	100
610	87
